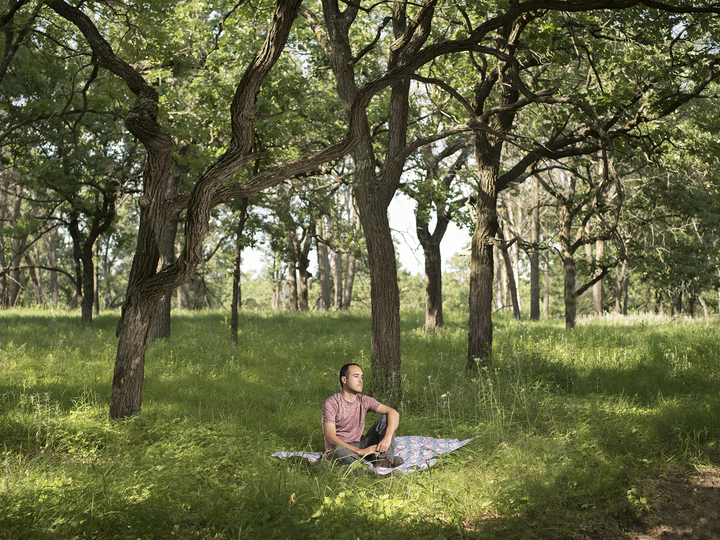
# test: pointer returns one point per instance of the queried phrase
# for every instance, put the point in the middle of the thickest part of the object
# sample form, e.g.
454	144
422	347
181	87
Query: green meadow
571	427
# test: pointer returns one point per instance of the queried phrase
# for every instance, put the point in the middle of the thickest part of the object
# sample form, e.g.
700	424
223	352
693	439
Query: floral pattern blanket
418	452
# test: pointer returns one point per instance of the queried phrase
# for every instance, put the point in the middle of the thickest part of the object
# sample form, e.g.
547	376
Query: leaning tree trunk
145	284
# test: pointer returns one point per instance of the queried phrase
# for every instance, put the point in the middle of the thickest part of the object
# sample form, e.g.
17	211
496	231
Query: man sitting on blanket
343	419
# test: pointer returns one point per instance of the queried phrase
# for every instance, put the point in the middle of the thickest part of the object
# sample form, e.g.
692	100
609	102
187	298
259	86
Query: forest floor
679	506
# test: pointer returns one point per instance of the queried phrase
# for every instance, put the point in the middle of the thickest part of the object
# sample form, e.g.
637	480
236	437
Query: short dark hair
345	370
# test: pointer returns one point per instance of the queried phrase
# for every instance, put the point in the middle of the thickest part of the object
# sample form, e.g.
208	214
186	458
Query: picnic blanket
418	452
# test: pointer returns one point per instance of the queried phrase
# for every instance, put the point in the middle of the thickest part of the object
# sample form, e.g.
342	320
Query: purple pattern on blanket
418	452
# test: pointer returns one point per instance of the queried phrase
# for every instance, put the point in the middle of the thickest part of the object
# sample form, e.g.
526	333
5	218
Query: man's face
354	380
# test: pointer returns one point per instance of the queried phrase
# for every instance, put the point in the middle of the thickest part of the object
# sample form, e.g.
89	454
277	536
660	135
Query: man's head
351	377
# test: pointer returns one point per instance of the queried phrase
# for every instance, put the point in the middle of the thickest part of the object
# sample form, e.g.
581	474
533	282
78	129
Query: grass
570	426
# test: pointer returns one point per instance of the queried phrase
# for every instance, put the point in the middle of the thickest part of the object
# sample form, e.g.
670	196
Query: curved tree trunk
145	284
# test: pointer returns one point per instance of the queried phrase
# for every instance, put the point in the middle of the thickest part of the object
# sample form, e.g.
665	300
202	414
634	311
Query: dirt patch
681	507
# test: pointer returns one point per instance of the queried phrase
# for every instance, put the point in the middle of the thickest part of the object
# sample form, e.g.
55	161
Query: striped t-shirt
349	418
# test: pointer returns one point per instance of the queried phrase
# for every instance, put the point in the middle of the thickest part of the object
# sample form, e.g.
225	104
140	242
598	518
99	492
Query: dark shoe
389	463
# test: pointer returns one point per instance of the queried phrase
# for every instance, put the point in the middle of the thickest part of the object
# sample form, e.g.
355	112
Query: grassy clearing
570	427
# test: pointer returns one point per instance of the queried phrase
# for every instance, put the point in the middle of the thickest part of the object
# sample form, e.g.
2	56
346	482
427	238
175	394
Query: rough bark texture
480	328
488	152
167	257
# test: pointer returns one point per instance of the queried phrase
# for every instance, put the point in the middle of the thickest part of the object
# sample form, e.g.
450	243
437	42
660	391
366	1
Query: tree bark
534	251
569	272
52	258
598	296
303	251
292	281
349	280
323	265
546	289
237	274
510	273
621	290
37	288
161	325
338	278
145	284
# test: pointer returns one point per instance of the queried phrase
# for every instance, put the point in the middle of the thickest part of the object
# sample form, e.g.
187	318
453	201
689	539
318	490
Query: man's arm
334	440
393	422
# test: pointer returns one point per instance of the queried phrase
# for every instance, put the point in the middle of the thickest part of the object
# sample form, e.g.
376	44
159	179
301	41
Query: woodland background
146	144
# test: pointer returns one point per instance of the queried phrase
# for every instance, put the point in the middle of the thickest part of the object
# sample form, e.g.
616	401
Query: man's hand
367	451
383	445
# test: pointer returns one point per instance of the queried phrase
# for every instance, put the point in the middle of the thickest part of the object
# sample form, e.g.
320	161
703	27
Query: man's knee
341	454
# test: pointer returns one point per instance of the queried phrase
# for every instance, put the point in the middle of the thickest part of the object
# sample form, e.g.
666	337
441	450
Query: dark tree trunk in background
534	254
37	288
509	272
52	258
167	257
349	280
237	274
292	281
430	244
323	260
338	278
598	296
569	272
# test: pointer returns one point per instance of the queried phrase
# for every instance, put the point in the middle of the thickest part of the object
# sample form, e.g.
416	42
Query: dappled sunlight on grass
566	425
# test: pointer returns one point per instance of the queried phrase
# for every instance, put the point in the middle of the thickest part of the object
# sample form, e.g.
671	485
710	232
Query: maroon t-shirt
349	418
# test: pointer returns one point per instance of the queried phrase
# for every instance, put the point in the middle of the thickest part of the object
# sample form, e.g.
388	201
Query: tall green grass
568	426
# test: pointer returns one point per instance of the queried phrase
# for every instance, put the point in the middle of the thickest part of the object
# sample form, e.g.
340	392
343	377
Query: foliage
570	426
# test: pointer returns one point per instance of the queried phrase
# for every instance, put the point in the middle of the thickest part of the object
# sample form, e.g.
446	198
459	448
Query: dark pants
374	435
